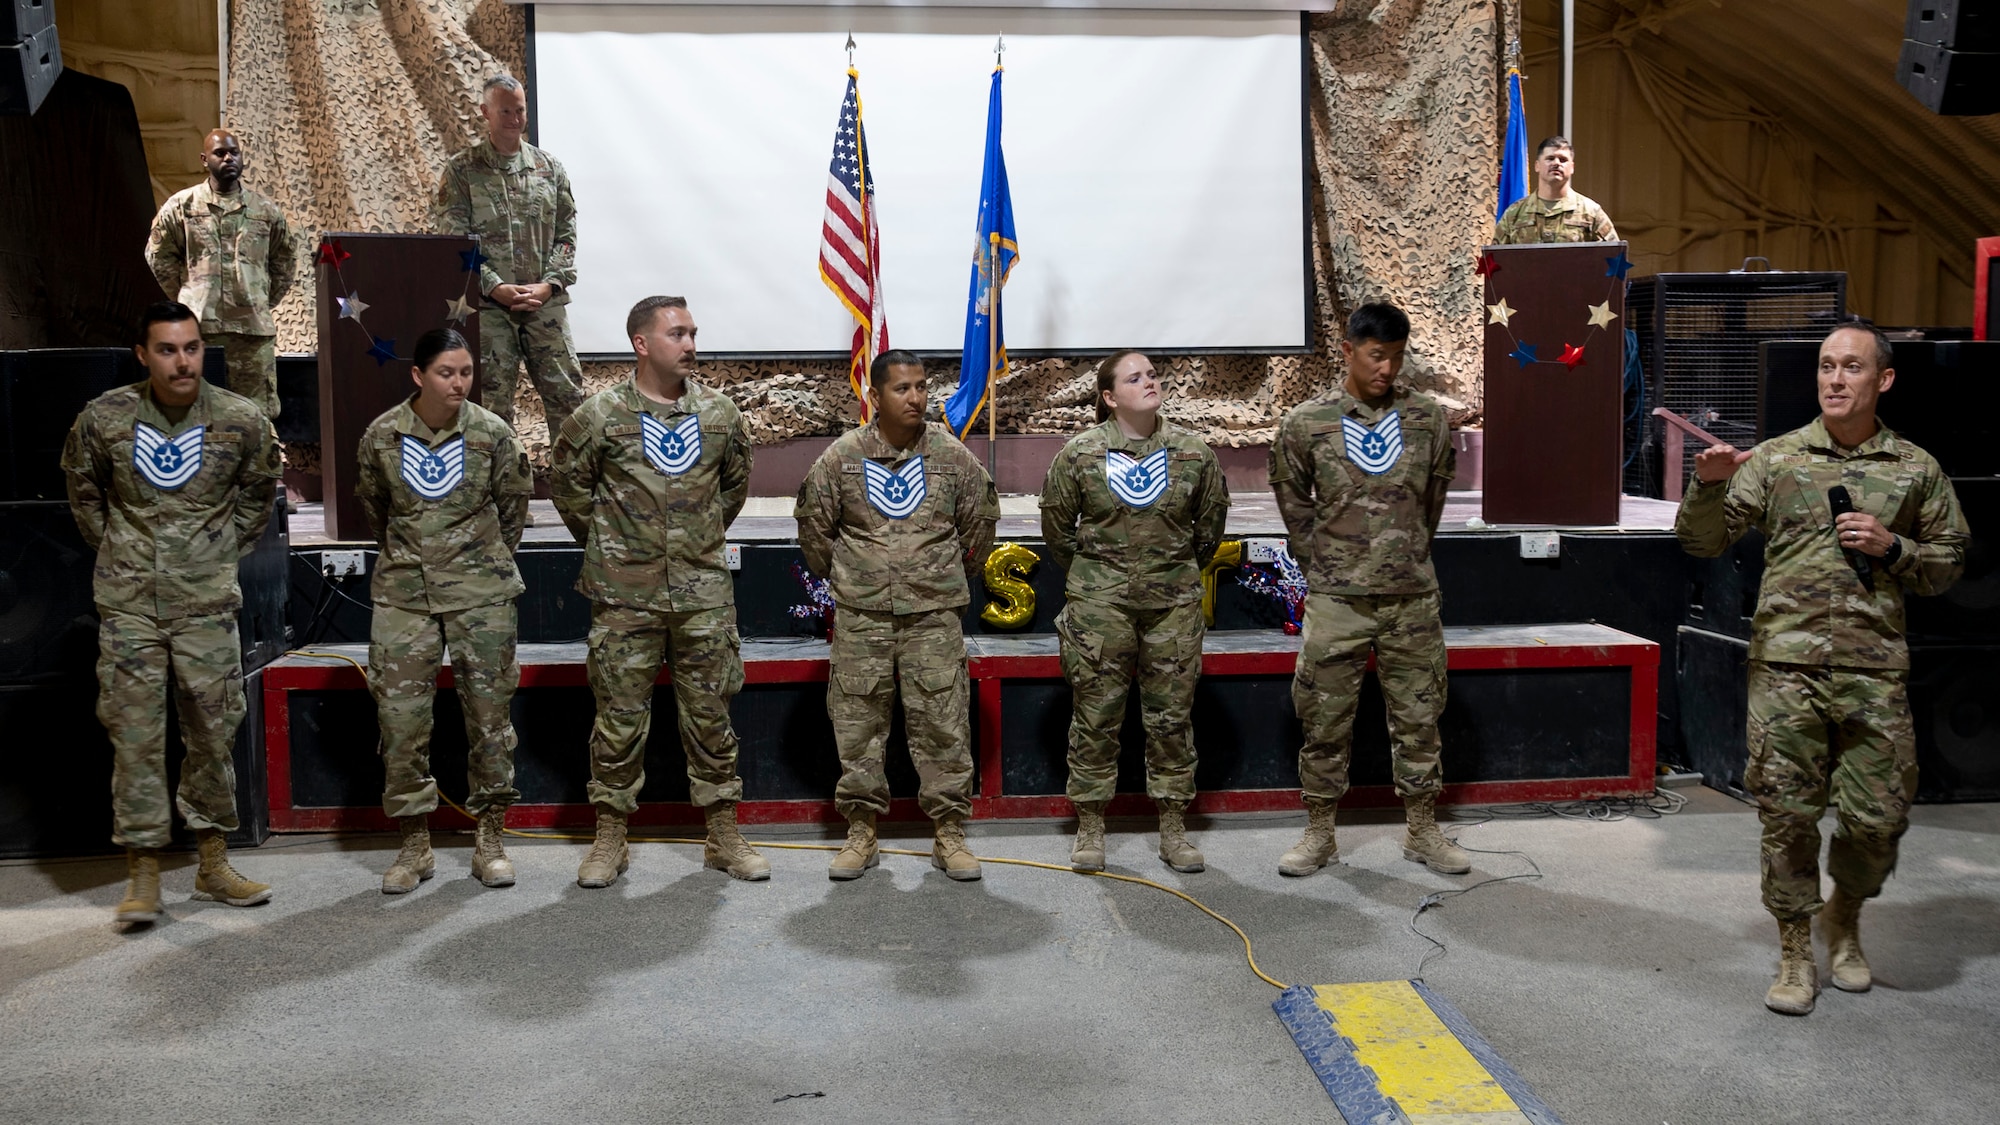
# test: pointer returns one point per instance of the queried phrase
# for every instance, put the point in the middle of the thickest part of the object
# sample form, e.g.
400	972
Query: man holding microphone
1854	516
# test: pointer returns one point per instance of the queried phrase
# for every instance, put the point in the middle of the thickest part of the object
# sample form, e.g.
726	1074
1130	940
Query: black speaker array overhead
1951	55
1954	637
30	57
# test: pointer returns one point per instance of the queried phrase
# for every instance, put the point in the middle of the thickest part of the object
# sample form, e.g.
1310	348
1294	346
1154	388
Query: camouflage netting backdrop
348	108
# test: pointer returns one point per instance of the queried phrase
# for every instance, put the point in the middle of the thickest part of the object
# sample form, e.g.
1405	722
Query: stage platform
1545	712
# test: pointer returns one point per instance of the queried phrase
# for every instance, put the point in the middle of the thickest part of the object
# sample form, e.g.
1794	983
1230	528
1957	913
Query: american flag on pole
850	246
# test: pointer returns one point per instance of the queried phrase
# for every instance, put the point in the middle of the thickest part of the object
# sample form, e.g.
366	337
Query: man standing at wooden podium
516	198
1555	212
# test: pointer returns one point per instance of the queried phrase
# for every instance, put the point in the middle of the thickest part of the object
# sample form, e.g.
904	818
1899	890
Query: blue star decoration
1525	353
1374	445
1137	479
672	446
1617	267
383	350
432	470
472	259
896	488
167	457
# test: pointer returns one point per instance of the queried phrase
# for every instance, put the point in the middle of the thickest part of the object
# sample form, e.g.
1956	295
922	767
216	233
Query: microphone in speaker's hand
1841	503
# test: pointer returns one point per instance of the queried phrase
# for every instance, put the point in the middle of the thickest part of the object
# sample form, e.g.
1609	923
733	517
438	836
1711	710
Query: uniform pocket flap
857	682
930	681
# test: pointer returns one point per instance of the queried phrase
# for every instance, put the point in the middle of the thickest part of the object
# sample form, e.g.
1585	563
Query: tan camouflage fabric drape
348	108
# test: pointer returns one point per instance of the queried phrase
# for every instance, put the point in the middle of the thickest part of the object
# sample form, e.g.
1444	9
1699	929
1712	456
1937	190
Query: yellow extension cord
1249	954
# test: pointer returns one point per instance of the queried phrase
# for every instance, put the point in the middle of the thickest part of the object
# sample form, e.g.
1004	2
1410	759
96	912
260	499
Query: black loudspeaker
1935	379
1953	83
1714	675
42	392
1722	592
23	19
28	70
1962	25
1958	722
48	623
1970	610
298	399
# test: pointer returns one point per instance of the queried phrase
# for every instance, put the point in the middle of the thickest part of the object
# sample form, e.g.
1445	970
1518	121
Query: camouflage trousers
252	362
871	651
1828	734
135	655
405	650
541	340
1103	648
1408	640
701	649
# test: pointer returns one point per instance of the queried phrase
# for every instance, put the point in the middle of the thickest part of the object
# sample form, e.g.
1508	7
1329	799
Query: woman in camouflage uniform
445	483
1132	509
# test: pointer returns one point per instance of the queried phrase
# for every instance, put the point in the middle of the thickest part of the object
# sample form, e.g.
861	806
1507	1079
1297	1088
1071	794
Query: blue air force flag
167	463
895	492
672	449
1139	483
1375	448
433	473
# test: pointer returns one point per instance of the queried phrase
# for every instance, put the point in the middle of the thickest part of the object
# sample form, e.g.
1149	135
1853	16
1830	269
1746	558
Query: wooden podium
1555	365
376	293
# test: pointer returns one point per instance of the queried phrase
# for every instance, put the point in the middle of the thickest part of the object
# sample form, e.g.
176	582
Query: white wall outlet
733	553
1266	551
1541	544
340	564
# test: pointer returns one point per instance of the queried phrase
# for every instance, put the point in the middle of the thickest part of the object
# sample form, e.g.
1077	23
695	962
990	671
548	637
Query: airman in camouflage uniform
1360	475
900	527
447	506
1554	212
228	253
648	475
1829	714
1132	521
171	481
516	198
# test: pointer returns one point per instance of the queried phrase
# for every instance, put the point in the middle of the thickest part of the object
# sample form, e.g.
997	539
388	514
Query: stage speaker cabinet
1928	404
1722	591
29	68
1713	674
1958	722
24	19
1986	289
1961	25
1968	612
1948	82
42	392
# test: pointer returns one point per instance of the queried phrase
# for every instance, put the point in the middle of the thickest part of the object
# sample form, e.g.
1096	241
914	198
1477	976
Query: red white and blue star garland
381	348
1601	316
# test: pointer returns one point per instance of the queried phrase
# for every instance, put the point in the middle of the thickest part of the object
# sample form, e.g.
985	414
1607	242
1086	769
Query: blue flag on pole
1514	154
984	359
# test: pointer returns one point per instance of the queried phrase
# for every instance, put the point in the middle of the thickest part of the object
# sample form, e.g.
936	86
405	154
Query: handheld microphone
1841	503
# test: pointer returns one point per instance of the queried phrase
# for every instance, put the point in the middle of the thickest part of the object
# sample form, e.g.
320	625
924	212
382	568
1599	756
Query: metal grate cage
1698	337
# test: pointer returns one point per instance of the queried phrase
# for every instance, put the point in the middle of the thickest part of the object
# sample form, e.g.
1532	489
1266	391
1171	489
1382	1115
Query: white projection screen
1156	160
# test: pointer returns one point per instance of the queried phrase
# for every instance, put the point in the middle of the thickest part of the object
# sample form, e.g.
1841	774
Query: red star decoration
1487	266
332	253
1572	355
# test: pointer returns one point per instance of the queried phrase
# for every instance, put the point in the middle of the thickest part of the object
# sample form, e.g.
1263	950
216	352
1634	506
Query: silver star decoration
352	306
457	309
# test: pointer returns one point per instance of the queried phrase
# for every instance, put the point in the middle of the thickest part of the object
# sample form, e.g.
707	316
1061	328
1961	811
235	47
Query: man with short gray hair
517	199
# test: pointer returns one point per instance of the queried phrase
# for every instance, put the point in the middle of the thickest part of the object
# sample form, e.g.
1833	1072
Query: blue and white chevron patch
672	449
1139	483
1375	448
167	463
433	473
895	492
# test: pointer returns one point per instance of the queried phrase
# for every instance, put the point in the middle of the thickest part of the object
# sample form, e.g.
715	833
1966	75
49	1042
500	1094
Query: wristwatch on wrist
1894	552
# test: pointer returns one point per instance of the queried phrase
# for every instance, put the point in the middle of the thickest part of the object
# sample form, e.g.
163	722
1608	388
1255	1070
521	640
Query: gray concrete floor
1625	985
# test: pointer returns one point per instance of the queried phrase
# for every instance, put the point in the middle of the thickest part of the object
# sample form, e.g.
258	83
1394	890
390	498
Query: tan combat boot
1840	925
1798	978
609	856
490	864
1424	844
415	862
861	851
1316	848
142	887
1175	851
949	853
216	881
727	850
1088	852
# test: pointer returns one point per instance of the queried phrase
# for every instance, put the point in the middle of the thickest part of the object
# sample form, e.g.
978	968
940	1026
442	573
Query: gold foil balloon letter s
1007	569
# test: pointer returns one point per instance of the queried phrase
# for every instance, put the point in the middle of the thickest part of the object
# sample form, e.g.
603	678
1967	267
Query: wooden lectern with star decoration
376	293
1554	393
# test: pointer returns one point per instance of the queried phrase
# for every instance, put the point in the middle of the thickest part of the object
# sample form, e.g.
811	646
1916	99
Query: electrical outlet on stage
341	564
1541	545
734	554
1266	551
